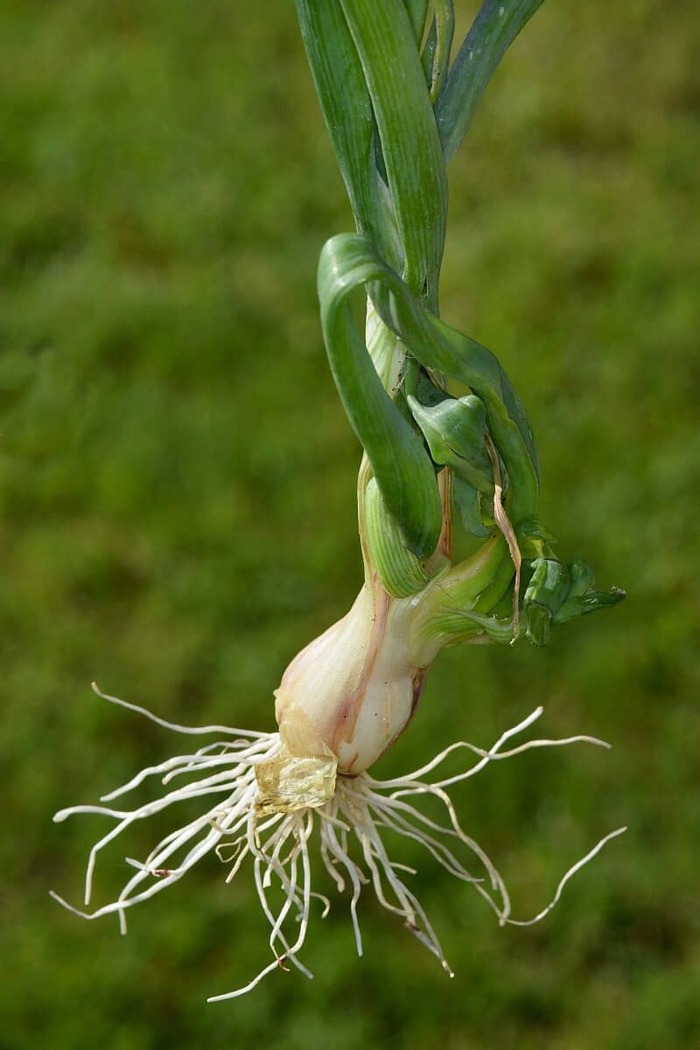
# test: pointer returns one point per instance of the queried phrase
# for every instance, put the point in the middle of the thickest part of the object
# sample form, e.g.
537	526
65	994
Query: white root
350	829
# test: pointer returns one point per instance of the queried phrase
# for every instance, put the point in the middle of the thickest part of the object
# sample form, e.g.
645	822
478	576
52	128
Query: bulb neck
354	689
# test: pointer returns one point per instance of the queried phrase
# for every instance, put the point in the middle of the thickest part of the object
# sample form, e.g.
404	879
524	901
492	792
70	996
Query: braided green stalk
396	111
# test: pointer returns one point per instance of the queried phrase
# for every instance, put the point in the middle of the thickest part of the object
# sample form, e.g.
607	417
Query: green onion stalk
448	453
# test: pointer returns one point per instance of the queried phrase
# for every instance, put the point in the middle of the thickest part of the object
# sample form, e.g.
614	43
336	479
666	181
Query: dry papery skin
285	813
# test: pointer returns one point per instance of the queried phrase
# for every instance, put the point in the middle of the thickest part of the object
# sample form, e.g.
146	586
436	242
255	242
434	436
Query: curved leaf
403	469
442	349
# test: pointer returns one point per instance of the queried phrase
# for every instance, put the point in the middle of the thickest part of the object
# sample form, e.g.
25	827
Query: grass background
177	489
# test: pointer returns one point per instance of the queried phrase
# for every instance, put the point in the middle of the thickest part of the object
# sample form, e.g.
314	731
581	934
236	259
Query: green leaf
407	129
582	597
469	502
557	593
400	571
547	589
404	472
436	53
417	11
442	349
494	30
534	540
455	431
347	111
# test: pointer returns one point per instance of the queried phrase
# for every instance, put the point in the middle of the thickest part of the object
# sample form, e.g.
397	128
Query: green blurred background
177	489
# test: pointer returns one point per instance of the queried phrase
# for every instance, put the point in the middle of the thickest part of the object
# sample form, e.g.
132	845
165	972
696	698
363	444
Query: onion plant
448	453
